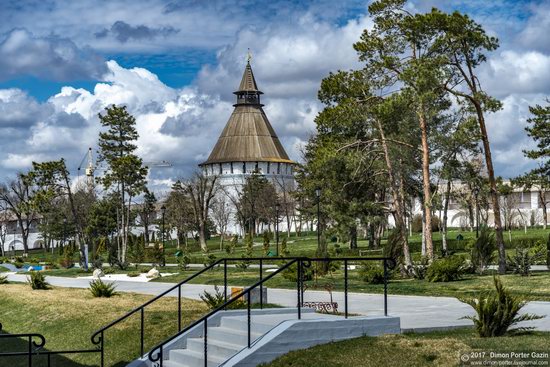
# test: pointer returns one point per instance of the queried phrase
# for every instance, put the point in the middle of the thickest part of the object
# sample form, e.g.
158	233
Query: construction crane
88	159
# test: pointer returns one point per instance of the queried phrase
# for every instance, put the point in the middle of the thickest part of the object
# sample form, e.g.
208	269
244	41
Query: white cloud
514	72
49	57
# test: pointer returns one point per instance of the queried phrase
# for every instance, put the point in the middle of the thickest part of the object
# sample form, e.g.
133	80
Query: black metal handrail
38	348
155	356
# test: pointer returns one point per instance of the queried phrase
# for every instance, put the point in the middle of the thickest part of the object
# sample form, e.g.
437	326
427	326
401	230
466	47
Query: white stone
153	273
98	273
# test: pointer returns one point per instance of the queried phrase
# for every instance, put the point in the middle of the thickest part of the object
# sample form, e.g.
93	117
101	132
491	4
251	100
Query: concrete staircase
225	340
274	332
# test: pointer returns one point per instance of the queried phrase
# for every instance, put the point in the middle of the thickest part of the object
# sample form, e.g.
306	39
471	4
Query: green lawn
442	348
534	287
68	317
306	245
3	269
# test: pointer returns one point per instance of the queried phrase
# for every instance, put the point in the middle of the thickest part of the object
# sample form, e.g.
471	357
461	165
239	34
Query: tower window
278	168
231	167
221	170
268	167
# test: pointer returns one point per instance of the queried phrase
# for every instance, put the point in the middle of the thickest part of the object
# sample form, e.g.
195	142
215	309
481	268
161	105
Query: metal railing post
179	308
299	286
142	332
206	342
385	288
261	286
248	319
346	288
30	350
102	349
225	279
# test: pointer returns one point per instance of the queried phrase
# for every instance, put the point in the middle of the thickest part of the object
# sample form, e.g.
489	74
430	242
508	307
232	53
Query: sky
176	63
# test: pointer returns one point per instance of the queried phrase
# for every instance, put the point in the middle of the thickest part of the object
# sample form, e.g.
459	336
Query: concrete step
215	347
237	337
240	323
168	363
189	358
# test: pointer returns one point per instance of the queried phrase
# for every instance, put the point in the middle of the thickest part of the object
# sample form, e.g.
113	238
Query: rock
98	273
153	273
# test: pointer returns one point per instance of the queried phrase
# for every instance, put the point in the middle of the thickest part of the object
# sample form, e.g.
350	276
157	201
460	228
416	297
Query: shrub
209	260
37	281
548	252
133	274
418	271
3	279
109	270
483	250
372	274
18	264
285	252
217	299
523	259
291	273
100	289
446	270
416	223
497	311
183	262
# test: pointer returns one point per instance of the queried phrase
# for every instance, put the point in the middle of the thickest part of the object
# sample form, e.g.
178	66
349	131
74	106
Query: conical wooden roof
248	135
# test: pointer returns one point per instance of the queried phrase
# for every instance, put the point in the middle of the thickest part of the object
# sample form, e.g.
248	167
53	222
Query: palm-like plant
497	311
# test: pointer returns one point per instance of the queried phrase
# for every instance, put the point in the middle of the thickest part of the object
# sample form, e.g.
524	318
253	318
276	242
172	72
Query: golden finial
248	56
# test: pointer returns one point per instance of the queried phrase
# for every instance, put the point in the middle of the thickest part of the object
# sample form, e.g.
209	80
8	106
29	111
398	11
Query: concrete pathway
416	312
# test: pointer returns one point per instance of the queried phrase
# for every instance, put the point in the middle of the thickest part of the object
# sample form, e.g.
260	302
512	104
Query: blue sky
175	64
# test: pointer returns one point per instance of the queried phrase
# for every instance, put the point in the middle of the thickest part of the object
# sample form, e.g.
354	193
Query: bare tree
201	190
287	201
221	212
17	197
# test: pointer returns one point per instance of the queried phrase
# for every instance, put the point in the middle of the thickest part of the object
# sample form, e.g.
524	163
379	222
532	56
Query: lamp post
318	196
476	194
277	206
163	211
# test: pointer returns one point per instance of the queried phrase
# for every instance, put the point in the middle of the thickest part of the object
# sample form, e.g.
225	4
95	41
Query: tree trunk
426	185
445	214
353	237
423	247
202	237
396	190
542	195
493	190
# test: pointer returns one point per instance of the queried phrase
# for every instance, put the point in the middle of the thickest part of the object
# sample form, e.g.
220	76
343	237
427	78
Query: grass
3	269
306	245
68	317
534	287
442	348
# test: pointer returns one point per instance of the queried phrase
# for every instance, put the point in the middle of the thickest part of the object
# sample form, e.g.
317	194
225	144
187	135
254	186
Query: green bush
446	269
285	252
418	271
3	279
100	289
291	273
18	264
416	223
183	262
372	274
37	281
524	259
217	299
497	311
133	274
209	260
109	270
483	250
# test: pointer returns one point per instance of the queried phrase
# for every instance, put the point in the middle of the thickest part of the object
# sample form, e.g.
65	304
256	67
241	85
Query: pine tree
125	172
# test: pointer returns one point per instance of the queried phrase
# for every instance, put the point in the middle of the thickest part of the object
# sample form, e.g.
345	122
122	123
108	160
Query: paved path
414	311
